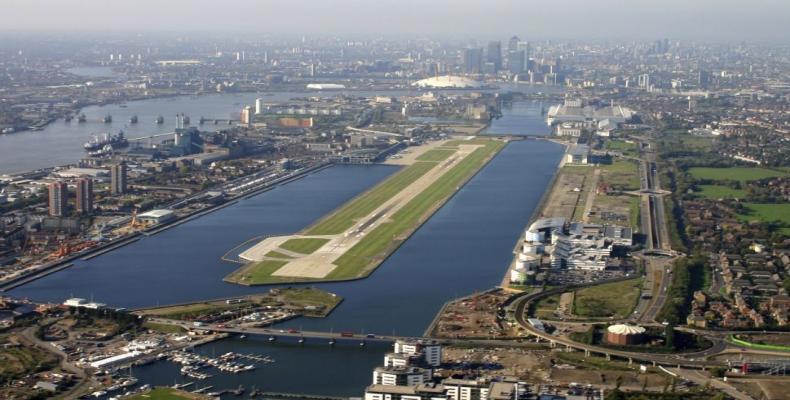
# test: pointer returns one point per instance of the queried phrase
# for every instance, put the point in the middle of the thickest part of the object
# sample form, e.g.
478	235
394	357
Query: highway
690	360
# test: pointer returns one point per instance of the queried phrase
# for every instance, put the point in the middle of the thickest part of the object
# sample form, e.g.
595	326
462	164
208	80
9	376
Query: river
60	142
465	247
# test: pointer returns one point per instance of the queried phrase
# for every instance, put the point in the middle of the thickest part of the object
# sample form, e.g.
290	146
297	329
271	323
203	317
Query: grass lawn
310	297
436	155
546	306
611	299
769	213
621	174
303	245
277	254
188	311
720	192
16	362
621	146
164	328
376	245
344	218
477	140
165	393
742	174
260	272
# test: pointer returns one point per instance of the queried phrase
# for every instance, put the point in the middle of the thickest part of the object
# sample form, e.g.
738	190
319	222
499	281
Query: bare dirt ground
524	363
564	195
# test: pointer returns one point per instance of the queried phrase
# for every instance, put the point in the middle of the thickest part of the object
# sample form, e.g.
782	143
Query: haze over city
713	20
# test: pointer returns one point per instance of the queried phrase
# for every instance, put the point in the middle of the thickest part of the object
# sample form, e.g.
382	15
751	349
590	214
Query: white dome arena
448	82
622	329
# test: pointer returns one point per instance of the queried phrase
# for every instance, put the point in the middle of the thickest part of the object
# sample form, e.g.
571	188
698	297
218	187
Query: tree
669	332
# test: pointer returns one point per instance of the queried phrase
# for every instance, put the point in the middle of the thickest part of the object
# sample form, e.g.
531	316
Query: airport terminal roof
546	223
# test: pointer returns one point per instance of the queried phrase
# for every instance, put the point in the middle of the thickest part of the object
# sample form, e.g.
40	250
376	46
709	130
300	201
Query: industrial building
574	110
156	217
578	154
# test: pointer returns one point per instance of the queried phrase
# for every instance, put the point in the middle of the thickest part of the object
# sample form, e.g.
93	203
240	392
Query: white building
155	217
466	389
431	351
402	376
420	392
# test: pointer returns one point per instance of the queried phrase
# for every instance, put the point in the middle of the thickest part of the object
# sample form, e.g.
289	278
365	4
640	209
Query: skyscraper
85	196
246	115
512	44
258	106
58	199
516	62
118	179
494	54
473	60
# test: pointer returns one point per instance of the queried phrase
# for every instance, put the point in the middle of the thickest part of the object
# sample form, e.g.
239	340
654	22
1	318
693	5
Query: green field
375	246
163	328
261	272
436	155
303	245
616	299
621	174
720	192
165	393
621	146
277	254
769	213
17	362
344	218
742	174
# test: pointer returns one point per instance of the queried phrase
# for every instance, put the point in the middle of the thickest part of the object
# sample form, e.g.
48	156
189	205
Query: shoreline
85	255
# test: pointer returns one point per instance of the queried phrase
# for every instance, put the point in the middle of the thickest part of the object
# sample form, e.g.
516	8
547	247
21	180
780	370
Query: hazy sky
763	20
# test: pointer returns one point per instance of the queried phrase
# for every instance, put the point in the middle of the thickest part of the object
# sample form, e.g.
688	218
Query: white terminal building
569	245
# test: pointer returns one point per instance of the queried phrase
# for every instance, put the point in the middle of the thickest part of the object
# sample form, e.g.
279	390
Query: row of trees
688	276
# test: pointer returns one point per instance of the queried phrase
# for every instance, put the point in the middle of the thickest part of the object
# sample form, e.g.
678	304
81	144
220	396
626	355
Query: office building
258	106
512	44
85	196
494	54
246	115
516	62
58	199
118	179
473	60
